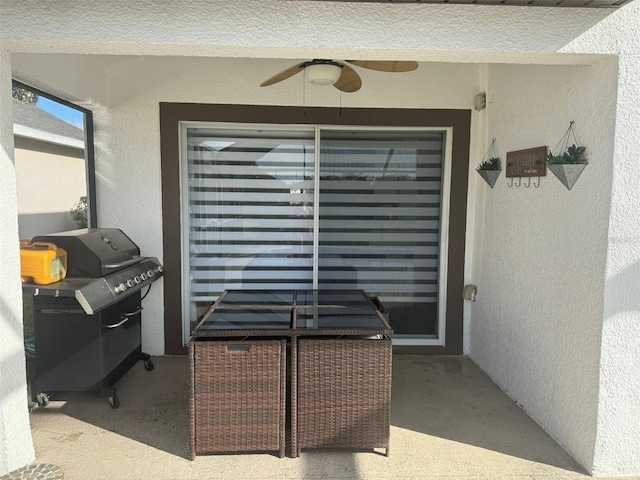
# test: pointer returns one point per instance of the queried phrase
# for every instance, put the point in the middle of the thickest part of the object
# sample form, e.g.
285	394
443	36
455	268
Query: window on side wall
53	154
55	172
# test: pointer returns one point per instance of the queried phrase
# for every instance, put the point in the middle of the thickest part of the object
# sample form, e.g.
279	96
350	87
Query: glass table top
235	298
336	318
246	319
315	310
306	298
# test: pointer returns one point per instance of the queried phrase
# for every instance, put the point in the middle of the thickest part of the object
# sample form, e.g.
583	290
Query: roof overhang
511	3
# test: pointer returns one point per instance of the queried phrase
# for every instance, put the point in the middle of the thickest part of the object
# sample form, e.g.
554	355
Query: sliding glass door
263	211
379	229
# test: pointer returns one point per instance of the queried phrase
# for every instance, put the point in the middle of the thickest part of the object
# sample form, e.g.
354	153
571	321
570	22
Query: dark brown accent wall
171	114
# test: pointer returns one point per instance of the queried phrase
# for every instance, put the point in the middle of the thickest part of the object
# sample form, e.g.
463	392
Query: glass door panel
379	221
250	212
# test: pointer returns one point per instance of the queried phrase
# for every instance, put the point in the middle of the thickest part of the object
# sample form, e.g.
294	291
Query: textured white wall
618	438
16	446
540	252
272	29
260	28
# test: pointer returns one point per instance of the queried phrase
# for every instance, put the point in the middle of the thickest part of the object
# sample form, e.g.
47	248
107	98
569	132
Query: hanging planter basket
567	173
490	167
490	176
567	162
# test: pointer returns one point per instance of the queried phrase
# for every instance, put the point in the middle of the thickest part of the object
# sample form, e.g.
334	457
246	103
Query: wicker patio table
337	346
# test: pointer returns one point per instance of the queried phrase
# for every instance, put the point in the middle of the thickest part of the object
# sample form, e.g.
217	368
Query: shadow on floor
434	399
154	406
451	398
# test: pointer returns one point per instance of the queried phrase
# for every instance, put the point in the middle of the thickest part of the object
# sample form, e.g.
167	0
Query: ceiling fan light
323	73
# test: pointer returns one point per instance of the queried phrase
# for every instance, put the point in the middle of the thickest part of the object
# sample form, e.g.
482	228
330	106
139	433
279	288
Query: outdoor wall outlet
469	292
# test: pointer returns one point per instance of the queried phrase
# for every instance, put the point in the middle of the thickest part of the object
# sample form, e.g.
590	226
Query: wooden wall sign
531	162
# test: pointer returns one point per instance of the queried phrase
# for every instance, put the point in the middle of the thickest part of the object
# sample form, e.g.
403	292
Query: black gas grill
87	327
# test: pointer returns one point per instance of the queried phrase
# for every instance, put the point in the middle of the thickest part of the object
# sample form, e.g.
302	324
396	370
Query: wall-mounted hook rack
526	163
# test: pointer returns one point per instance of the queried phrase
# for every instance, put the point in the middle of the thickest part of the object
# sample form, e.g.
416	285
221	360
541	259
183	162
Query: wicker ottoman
343	393
238	396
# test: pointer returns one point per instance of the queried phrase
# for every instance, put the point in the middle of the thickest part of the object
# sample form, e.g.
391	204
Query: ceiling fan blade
386	66
283	75
349	80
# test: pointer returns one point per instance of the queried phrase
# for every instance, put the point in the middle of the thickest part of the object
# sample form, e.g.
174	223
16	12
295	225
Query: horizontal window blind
380	200
250	195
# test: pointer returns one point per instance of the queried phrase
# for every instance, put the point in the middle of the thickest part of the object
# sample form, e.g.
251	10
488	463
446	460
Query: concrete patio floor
448	421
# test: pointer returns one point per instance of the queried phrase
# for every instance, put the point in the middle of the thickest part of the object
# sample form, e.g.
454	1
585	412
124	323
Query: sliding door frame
458	121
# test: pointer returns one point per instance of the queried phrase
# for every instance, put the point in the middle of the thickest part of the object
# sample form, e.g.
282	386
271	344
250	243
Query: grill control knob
130	283
149	273
159	269
137	279
120	288
144	275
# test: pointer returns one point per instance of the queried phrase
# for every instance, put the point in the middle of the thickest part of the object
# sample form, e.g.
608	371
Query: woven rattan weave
344	393
245	358
238	401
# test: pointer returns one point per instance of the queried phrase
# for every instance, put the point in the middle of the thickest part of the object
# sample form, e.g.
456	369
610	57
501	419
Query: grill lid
103	267
94	252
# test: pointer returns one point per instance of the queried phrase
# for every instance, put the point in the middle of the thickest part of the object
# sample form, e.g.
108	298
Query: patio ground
449	421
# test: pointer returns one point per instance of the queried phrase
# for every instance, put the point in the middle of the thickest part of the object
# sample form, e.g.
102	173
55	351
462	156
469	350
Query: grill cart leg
42	399
148	364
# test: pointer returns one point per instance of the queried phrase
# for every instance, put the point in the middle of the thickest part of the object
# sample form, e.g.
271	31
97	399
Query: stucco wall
617	440
541	252
16	446
278	29
283	29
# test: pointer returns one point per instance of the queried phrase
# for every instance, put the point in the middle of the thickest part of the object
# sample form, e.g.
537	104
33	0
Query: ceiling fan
341	75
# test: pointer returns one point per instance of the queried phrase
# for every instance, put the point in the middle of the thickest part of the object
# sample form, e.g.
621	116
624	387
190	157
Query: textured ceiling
526	3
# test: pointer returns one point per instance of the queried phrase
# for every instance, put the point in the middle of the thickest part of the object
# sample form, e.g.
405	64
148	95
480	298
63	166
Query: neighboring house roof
32	122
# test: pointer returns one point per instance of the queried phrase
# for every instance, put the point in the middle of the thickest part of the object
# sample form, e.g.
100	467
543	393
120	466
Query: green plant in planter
568	166
490	170
574	155
492	163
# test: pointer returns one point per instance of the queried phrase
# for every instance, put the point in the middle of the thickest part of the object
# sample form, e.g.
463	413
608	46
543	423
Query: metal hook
528	184
519	181
510	184
537	184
